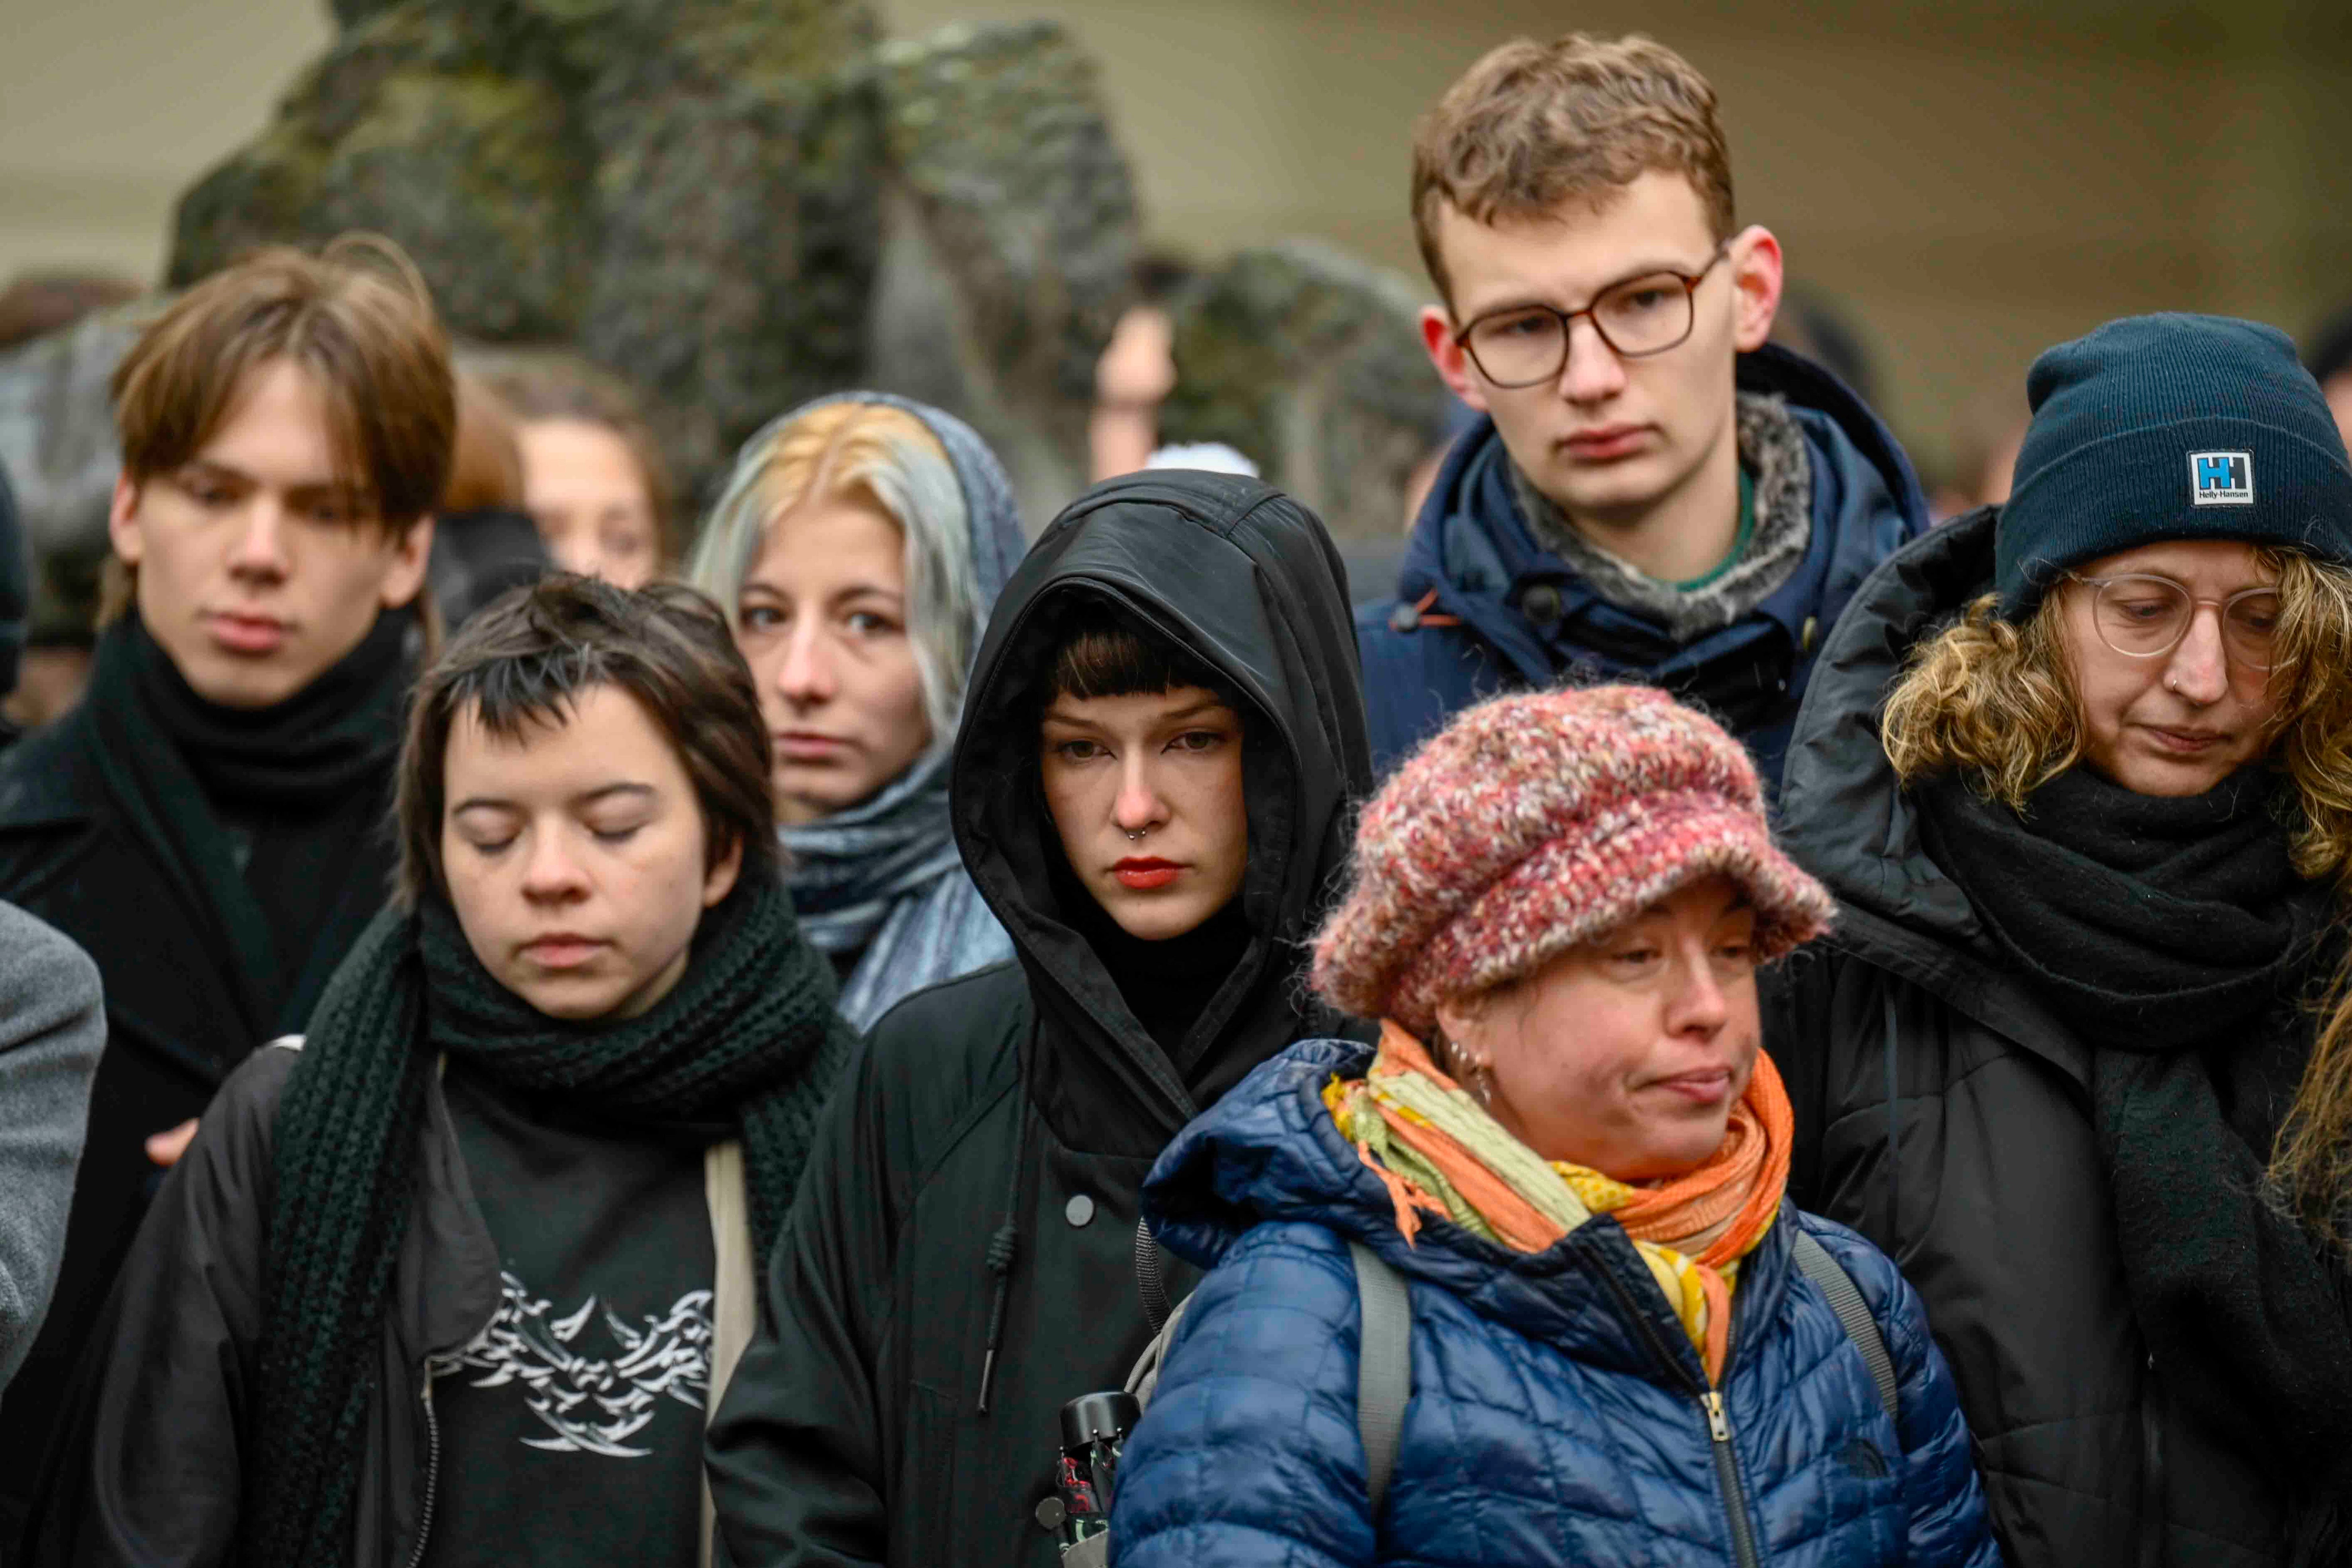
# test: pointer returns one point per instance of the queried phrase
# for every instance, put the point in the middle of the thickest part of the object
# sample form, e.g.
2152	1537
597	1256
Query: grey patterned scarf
885	877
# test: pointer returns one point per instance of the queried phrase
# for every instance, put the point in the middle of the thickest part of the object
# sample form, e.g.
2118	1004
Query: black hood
1246	580
1844	817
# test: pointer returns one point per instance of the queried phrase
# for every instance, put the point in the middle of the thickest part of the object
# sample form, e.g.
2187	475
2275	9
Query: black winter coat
149	1469
176	1025
1945	1112
853	1432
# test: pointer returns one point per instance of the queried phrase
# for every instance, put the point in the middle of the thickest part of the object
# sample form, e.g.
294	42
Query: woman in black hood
966	1256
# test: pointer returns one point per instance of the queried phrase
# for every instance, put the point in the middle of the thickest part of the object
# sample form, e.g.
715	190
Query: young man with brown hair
1655	493
206	823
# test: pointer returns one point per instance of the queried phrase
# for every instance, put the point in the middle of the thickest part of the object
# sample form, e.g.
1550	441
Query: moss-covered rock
413	128
1011	231
1309	361
684	190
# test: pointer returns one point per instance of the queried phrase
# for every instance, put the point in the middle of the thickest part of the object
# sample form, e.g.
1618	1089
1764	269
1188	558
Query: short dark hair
529	654
1104	651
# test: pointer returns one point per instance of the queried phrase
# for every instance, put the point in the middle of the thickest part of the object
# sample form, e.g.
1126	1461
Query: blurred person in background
1657	494
1984	455
458	1278
15	606
484	542
206	823
1558	909
1150	790
1137	368
858	548
2079	770
2328	357
36	304
592	476
52	1029
63	511
1818	326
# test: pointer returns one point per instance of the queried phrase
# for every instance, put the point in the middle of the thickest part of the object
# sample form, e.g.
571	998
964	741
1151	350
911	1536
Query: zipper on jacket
431	1467
1726	1471
1744	1550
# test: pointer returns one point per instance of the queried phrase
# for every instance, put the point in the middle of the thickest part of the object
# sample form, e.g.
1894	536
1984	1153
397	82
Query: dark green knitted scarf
749	1034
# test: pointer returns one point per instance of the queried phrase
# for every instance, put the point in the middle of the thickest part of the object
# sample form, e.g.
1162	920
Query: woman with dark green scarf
455	1279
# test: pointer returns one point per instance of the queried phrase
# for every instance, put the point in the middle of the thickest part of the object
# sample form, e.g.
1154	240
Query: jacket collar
1472	549
1848	821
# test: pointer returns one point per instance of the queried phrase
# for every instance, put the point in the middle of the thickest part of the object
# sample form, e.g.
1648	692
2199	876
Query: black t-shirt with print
571	1427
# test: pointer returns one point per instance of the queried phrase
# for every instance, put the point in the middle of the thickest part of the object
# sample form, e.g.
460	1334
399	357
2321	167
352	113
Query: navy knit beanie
2164	427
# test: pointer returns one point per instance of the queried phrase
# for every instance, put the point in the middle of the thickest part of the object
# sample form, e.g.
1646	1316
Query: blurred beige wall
1976	178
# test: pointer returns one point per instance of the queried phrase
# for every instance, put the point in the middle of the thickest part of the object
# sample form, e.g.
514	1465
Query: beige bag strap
734	1293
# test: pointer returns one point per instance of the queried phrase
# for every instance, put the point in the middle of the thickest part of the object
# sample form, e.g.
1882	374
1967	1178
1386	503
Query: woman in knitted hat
2079	770
1570	1146
458	1277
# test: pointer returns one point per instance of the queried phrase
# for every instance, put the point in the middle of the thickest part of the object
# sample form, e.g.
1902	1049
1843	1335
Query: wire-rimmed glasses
1525	345
2142	615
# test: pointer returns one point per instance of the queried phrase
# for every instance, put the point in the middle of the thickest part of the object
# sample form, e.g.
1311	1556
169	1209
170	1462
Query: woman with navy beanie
2078	769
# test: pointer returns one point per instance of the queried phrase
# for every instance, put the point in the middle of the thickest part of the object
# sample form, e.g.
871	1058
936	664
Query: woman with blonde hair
857	547
2079	770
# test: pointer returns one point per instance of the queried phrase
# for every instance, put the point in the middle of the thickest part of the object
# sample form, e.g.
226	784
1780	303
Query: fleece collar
1772	449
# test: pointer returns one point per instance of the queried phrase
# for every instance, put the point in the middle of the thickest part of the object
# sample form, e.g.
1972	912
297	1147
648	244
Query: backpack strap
1383	1367
1829	1276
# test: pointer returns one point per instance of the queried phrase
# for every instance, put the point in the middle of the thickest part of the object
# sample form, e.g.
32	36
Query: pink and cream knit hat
1536	822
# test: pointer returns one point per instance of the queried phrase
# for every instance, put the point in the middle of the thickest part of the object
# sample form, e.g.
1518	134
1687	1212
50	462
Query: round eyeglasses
2143	616
1527	345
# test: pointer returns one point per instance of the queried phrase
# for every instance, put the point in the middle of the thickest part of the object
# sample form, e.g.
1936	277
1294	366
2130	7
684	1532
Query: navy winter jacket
1557	1413
1526	619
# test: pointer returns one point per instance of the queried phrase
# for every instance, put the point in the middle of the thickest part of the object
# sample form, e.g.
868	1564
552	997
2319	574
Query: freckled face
1626	1054
576	857
1146	795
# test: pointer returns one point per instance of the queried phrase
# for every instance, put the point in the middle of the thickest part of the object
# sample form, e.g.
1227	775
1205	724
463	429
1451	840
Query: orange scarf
1437	1150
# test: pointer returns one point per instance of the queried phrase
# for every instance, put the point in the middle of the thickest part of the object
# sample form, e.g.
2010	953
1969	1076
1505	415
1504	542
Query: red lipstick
1143	872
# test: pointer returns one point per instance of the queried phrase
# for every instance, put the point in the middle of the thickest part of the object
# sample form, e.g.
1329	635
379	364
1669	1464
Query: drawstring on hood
1246	581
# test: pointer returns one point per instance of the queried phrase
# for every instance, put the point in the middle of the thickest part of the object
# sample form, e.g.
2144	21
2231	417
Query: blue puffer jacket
1526	619
1556	1414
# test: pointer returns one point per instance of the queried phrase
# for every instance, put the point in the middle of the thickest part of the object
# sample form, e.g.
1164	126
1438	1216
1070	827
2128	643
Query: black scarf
315	768
747	1036
2174	936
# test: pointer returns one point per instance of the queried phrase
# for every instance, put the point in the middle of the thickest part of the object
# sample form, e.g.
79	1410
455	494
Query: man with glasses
1656	493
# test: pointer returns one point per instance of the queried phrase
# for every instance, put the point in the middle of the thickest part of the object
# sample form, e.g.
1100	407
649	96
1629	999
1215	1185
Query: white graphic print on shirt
593	1404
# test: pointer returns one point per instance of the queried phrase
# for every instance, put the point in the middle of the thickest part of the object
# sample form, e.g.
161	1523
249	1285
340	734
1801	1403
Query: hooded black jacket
1029	1093
1945	1112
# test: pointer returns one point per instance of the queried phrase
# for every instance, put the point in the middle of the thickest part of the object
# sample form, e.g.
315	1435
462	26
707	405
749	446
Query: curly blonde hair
1996	701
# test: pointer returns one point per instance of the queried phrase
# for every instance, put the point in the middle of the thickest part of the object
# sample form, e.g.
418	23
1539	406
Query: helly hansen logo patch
2222	478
